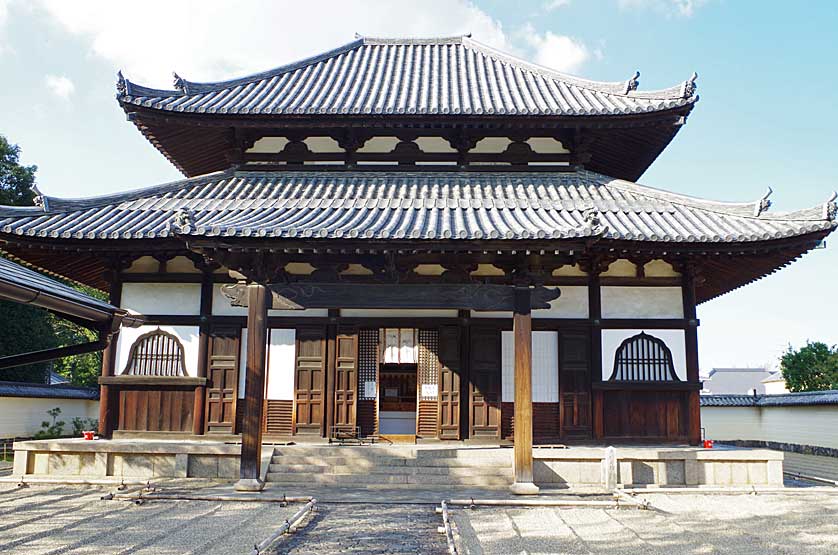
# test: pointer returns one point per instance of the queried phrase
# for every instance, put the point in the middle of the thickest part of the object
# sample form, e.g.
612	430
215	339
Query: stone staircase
391	466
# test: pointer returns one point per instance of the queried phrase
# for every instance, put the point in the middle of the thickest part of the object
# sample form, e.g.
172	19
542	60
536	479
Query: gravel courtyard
44	519
793	523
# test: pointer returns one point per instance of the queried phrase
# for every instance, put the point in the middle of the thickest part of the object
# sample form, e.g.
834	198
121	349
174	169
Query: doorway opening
397	401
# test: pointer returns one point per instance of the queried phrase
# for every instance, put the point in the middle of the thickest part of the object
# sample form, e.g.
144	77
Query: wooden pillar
522	331
595	316
198	424
254	390
465	379
108	395
331	356
691	348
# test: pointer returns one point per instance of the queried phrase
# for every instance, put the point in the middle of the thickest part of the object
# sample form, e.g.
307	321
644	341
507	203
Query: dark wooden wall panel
309	380
427	419
646	415
155	409
545	423
574	384
367	419
278	417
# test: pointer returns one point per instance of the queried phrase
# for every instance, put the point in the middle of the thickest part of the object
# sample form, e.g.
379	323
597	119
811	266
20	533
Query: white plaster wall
187	335
674	339
281	359
22	416
813	425
174	299
642	302
396	313
545	367
221	307
573	303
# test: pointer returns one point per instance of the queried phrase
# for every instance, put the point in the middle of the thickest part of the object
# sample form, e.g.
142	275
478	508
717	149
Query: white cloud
683	8
558	52
551	5
212	39
60	86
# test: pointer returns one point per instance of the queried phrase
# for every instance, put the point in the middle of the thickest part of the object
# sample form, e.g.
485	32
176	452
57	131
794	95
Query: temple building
408	239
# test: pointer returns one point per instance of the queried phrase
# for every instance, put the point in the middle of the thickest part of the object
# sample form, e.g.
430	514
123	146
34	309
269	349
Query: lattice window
643	358
428	362
367	361
157	353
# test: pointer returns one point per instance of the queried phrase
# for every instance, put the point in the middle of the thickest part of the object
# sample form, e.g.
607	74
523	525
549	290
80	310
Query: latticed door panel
574	384
346	378
222	386
428	386
309	379
485	374
368	381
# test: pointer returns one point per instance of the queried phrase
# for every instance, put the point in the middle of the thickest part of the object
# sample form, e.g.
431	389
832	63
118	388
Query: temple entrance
397	401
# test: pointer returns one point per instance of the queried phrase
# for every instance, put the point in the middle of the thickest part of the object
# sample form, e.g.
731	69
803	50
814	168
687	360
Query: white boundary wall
816	425
22	416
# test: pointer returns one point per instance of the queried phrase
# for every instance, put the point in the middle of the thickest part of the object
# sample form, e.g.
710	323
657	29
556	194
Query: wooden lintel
300	296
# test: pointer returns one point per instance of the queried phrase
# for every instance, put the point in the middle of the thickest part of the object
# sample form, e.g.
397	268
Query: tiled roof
807	398
410	205
62	391
15	274
455	75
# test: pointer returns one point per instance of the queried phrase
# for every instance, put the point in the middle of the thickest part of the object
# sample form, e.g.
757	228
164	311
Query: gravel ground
679	524
41	520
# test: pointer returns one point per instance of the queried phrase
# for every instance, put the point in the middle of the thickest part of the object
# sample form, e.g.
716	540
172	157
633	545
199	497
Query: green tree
813	367
24	328
16	181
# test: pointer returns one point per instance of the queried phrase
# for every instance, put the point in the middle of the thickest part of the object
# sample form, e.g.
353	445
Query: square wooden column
522	331
254	390
691	347
198	418
108	396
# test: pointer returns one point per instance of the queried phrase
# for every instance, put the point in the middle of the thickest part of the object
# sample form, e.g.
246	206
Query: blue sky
767	114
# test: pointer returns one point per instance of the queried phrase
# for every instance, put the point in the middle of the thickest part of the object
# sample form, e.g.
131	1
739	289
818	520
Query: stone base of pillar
524	488
249	484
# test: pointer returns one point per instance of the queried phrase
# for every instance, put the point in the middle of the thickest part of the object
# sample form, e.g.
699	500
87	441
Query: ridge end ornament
830	208
764	203
690	86
121	84
179	83
633	83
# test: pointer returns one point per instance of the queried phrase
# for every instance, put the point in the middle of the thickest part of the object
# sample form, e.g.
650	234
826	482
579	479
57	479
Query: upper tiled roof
410	76
807	398
15	274
411	205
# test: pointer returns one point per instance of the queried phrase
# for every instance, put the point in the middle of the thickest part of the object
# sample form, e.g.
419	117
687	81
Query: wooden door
449	382
346	378
309	380
223	380
485	387
574	384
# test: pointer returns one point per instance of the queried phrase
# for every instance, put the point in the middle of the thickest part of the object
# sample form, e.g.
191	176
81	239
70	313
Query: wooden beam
257	337
522	331
299	296
198	424
107	403
691	348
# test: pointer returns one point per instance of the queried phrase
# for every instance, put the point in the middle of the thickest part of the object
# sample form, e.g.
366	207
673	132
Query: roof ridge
627	88
58	204
757	209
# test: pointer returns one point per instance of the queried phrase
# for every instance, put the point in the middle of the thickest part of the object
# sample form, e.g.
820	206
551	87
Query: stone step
369	462
385	480
391	470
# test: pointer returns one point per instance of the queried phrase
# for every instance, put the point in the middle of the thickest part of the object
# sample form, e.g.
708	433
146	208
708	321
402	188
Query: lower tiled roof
411	205
38	390
806	398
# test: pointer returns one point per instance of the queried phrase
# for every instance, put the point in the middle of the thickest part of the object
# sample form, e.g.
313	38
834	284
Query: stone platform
444	464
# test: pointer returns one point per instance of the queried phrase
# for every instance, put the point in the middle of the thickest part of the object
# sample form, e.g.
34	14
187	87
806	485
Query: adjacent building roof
370	76
807	398
38	390
736	380
415	206
20	284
